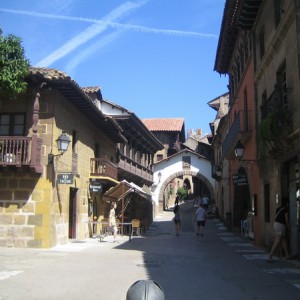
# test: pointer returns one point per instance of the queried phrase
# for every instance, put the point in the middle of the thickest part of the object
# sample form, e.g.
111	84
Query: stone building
48	193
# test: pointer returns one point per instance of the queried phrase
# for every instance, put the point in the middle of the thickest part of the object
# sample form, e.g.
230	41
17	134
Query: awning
123	188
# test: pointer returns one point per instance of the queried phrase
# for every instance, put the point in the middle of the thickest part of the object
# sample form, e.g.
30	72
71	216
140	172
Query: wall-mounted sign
239	179
65	178
95	187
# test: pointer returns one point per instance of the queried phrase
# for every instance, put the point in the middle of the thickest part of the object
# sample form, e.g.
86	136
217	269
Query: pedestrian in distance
200	219
112	220
205	201
281	227
177	219
197	201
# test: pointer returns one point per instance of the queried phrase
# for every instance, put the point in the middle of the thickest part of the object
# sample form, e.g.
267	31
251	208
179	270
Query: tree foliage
13	66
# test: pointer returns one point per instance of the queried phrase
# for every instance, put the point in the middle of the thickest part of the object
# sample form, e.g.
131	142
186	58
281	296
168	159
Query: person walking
205	201
112	220
281	227
177	219
200	219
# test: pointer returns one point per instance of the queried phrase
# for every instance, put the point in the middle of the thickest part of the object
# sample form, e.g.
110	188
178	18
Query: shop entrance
72	213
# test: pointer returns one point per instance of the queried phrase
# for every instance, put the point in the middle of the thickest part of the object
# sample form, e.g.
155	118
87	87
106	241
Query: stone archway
182	173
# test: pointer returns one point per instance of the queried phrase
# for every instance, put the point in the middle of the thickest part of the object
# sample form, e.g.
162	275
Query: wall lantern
63	142
159	176
219	172
239	152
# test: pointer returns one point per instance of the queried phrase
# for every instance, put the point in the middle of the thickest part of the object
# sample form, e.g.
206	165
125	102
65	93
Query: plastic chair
136	226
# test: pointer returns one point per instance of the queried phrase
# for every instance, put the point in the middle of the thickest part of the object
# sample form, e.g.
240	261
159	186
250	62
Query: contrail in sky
87	34
98	27
77	59
111	24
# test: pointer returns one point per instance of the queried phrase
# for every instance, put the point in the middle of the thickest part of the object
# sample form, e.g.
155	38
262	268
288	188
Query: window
278	11
186	162
264	111
12	124
261	44
281	85
267	202
159	157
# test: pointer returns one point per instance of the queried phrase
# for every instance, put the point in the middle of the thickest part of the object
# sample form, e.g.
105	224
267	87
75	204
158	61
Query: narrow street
219	265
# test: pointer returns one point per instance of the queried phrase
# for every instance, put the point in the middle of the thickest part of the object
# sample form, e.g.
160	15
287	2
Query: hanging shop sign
95	187
239	179
65	178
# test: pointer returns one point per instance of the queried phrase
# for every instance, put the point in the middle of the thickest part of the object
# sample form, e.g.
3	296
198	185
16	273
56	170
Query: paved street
219	265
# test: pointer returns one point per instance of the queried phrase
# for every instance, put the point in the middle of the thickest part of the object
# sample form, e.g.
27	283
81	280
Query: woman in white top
112	220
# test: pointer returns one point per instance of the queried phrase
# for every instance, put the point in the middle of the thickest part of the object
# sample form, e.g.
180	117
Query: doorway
72	212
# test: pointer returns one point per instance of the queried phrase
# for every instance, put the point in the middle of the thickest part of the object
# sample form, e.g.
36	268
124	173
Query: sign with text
95	187
65	178
239	179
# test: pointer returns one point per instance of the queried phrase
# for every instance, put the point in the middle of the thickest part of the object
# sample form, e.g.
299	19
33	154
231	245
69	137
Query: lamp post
63	142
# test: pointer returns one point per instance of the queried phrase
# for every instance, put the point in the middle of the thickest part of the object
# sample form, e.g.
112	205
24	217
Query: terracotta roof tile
164	124
49	73
91	89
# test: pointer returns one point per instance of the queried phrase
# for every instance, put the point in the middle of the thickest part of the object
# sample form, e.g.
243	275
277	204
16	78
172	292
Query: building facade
51	194
254	50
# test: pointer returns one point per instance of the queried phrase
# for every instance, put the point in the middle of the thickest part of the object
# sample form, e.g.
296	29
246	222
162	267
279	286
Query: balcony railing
274	127
129	165
20	151
239	130
275	103
103	167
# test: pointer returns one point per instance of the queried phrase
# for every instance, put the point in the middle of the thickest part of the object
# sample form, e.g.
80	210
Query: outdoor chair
136	226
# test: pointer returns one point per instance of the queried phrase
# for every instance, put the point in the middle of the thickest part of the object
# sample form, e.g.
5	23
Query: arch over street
181	164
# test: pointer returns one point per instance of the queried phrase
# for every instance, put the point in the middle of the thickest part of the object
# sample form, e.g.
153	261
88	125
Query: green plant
271	131
182	193
13	65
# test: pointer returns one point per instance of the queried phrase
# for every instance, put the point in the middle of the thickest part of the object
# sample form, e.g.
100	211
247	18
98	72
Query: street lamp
63	142
239	152
219	174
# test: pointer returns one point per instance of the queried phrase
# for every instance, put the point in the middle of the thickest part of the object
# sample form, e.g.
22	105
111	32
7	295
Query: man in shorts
200	219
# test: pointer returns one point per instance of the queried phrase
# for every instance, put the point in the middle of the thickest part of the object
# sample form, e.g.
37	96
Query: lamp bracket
52	156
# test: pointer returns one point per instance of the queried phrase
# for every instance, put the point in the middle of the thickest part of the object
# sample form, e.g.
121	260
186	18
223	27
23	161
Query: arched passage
182	173
184	163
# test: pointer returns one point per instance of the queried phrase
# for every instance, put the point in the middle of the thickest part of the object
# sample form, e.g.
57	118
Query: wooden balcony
134	171
21	151
103	167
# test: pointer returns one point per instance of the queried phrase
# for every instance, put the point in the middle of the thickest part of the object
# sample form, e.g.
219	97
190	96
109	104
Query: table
104	234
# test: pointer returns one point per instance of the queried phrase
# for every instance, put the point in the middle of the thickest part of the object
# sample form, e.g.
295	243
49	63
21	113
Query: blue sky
153	57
